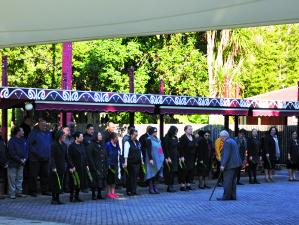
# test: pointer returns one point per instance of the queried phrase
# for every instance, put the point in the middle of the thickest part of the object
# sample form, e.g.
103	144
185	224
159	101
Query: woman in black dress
293	156
204	159
271	152
78	167
171	154
187	151
57	164
253	155
97	161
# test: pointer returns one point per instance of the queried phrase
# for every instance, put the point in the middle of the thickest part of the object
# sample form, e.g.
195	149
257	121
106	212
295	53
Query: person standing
218	150
293	156
26	125
154	160
88	136
68	139
271	153
97	161
3	158
230	163
187	151
107	133
58	161
242	143
253	156
17	156
132	161
39	141
142	140
113	151
78	167
204	159
171	153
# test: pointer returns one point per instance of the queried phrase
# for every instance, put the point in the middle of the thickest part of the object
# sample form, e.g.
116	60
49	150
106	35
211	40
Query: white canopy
27	22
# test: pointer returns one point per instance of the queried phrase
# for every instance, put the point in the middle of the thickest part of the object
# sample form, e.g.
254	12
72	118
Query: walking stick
215	185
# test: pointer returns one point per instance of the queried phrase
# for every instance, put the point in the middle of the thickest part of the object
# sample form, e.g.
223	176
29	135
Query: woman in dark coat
187	152
78	166
97	161
171	154
253	156
57	164
204	159
293	156
271	152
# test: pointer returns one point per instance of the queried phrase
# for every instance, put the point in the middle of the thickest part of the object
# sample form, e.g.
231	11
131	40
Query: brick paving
274	203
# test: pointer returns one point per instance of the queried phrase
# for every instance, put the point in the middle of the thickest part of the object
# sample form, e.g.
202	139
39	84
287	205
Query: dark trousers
133	171
230	184
41	169
169	178
252	171
186	176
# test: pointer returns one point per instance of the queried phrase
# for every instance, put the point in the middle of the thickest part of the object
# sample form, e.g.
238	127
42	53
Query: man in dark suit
230	163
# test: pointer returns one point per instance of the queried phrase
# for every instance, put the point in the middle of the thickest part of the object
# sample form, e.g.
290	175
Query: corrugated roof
285	94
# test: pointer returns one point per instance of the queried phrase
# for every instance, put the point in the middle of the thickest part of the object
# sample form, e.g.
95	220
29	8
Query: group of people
97	160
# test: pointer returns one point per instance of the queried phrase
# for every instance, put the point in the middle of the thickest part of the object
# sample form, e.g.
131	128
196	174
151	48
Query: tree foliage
250	61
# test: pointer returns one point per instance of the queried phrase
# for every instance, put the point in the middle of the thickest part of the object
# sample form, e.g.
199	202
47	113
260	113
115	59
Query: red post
66	81
131	84
4	111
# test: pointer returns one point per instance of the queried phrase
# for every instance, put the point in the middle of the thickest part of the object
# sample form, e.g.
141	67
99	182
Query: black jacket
170	148
254	149
143	140
269	147
204	152
77	158
187	149
293	150
97	159
59	158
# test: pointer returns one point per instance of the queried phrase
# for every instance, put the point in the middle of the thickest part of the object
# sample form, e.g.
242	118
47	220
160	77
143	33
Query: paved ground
275	203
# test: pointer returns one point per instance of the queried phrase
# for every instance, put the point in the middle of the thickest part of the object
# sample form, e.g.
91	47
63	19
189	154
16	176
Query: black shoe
200	187
93	197
189	188
183	189
251	182
256	182
207	187
46	193
239	183
54	202
33	195
151	191
223	199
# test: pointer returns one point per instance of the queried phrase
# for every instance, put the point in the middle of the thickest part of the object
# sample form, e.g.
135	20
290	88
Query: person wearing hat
154	160
57	164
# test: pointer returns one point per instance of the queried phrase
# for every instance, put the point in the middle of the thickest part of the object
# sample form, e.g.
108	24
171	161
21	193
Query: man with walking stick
230	162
